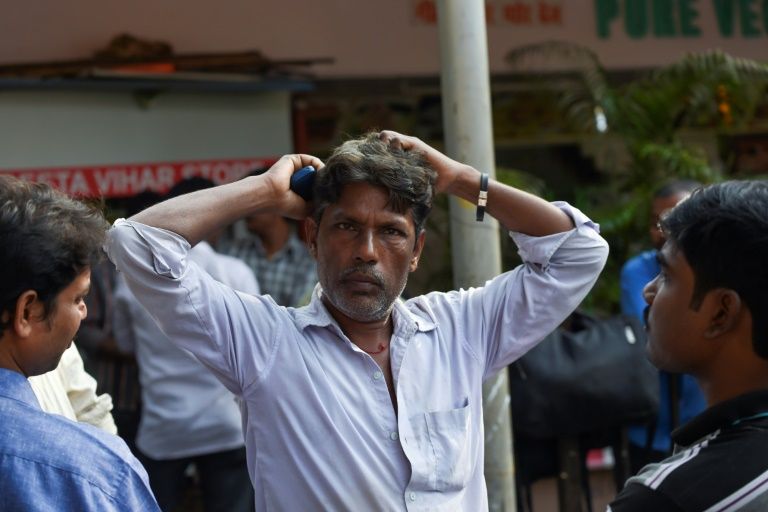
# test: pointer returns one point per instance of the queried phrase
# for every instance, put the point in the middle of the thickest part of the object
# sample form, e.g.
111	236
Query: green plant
646	116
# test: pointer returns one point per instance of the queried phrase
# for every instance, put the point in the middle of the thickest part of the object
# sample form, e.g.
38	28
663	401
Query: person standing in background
680	396
115	372
189	420
71	392
269	244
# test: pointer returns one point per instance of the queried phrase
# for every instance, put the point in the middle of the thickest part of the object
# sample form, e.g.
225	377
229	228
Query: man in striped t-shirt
708	316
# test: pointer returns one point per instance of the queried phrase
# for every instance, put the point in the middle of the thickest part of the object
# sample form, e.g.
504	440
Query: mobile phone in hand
302	181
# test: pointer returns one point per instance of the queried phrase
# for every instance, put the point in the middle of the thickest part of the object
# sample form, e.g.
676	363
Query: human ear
726	312
310	235
28	310
418	247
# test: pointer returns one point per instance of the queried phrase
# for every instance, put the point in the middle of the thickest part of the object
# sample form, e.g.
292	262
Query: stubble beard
366	308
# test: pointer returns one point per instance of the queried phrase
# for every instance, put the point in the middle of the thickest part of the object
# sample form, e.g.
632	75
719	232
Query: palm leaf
591	89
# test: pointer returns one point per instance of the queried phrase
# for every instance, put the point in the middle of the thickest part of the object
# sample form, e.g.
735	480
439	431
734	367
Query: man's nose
366	246
649	291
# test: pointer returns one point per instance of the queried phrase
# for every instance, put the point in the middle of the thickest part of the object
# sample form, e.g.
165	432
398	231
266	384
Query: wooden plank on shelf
253	62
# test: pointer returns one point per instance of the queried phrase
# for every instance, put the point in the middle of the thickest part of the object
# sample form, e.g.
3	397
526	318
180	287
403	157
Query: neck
7	358
717	392
369	336
726	382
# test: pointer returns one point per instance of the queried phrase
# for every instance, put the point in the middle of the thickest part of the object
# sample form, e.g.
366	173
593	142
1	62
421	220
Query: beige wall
61	128
366	37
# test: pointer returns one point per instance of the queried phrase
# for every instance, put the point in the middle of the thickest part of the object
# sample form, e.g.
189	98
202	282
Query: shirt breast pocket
447	438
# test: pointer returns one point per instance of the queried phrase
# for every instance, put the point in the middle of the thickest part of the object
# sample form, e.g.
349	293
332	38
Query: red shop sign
121	180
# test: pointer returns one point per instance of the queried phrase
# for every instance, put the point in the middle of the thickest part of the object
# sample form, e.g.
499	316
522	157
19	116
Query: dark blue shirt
49	463
636	273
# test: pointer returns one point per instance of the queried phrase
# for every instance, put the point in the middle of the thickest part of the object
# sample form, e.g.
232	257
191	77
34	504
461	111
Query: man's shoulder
720	466
638	498
41	441
434	306
44	457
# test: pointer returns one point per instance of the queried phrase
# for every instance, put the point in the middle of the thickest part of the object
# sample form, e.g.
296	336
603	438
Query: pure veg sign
680	18
637	19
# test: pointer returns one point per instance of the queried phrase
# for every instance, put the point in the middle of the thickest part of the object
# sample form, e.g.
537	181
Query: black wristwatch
482	199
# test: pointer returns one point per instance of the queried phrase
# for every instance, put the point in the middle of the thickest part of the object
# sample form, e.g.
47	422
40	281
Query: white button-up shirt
320	428
185	409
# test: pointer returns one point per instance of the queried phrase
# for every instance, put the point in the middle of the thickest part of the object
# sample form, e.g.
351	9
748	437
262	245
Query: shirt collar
315	313
724	414
15	386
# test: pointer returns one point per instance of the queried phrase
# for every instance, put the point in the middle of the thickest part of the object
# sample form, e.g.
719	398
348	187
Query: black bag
593	376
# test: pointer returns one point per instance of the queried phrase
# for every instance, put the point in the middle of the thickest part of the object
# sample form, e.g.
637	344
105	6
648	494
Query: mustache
646	311
367	271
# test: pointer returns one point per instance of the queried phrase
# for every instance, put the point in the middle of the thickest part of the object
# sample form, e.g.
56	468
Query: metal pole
476	248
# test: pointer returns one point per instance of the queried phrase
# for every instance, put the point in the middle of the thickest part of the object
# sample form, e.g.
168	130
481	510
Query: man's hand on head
448	170
278	179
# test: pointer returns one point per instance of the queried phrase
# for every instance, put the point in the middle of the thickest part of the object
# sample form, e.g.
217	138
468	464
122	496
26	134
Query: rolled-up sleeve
557	273
502	320
233	334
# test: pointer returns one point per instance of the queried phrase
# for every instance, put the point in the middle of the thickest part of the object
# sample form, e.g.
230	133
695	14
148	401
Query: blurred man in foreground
708	316
49	462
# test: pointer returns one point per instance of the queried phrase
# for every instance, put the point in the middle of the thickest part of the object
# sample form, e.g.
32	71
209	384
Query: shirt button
377	375
412	496
393	436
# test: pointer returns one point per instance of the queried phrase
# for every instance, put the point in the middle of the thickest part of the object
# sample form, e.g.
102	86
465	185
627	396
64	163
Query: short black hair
48	239
406	175
675	187
722	230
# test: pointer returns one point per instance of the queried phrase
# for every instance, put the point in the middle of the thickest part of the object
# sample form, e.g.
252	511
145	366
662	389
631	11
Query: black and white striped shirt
720	464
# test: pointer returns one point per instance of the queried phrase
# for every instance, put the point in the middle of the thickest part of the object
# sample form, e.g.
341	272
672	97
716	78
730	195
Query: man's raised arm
200	213
516	210
196	312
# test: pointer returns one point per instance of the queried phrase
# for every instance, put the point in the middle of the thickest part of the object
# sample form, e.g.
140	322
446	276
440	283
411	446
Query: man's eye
344	226
393	232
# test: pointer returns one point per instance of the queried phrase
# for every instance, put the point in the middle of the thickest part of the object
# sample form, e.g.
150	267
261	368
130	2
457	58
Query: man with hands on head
360	400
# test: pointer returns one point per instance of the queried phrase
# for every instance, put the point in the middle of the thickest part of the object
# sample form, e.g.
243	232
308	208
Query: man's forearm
196	215
515	209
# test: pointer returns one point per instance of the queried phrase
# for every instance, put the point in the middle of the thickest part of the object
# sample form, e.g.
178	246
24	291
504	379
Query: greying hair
406	175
